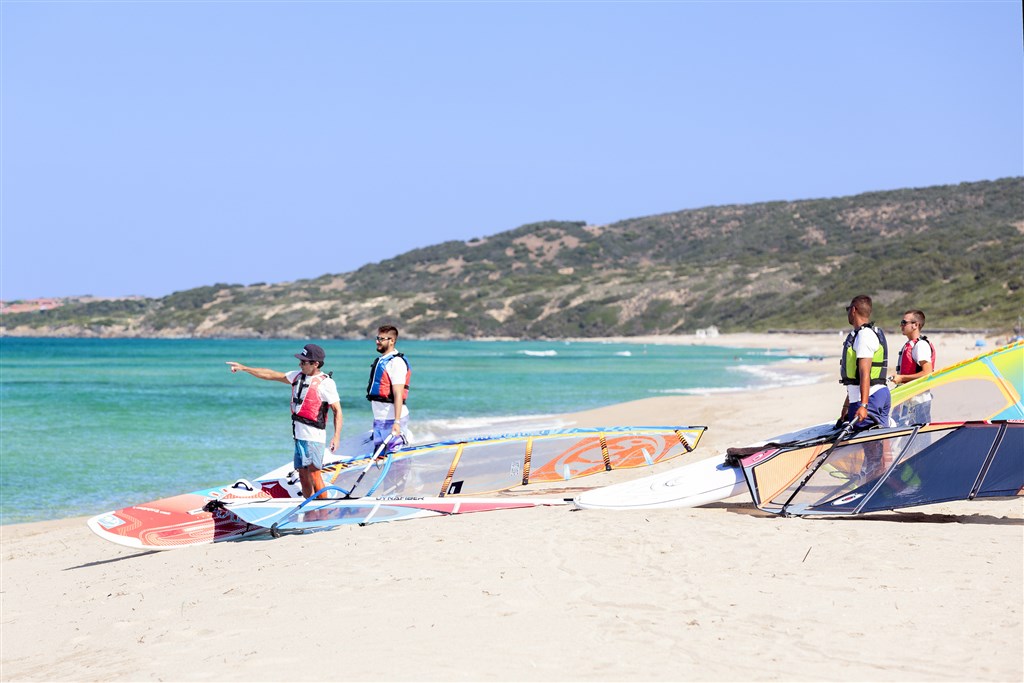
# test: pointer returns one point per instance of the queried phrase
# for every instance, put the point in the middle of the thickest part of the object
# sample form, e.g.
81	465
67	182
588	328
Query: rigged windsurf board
987	387
450	468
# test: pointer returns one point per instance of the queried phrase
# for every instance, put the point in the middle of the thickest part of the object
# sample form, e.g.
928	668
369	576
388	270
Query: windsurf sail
497	463
986	387
892	468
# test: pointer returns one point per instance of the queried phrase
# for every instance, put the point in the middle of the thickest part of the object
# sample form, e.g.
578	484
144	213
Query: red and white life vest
908	366
307	406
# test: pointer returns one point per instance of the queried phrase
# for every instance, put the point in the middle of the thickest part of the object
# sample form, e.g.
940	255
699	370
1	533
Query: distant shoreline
678	339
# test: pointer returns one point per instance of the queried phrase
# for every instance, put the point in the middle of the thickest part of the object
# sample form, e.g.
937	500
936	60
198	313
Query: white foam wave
764	375
430	431
704	391
623	353
777	375
549	352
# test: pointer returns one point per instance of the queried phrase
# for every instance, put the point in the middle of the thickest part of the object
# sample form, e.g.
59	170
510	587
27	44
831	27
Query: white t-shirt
922	351
328	394
864	346
398	371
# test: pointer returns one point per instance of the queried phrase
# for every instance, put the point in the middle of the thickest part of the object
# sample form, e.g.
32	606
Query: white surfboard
699	483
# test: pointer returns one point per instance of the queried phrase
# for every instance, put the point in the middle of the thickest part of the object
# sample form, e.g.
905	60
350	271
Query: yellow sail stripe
451	471
682	440
526	461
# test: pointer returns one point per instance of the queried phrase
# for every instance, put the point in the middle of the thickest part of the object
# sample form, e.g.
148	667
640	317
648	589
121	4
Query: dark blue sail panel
1005	476
893	468
944	470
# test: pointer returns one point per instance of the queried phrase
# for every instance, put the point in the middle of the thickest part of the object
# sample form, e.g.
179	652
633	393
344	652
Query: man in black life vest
862	369
388	390
313	394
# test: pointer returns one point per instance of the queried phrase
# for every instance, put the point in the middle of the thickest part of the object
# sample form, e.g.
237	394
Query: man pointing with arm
313	394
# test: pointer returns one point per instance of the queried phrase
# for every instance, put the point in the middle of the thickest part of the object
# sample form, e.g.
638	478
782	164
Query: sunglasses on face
906	322
383	339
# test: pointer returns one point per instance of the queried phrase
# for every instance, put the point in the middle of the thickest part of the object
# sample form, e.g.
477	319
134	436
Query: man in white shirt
388	390
313	394
916	360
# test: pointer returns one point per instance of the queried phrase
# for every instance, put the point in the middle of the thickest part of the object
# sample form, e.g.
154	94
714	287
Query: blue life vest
379	387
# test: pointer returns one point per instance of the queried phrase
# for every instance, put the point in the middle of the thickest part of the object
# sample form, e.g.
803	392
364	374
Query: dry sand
715	593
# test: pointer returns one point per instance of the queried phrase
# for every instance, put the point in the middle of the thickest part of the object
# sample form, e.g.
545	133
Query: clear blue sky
150	147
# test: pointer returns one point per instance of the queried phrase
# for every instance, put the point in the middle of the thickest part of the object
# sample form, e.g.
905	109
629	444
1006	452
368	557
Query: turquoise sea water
89	425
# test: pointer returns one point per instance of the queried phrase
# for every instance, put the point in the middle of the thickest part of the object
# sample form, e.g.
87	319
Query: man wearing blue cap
313	393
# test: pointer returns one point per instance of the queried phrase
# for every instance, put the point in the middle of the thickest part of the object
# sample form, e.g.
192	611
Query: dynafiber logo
848	498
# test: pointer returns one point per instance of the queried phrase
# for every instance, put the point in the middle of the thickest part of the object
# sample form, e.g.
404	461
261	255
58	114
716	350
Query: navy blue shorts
879	404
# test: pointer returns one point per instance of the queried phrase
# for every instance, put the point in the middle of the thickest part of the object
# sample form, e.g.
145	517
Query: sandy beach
721	592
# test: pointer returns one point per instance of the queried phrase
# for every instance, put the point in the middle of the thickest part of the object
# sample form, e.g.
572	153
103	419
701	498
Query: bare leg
316	481
306	482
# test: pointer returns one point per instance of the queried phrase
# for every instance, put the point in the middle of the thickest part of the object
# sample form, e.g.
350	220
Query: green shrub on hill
956	251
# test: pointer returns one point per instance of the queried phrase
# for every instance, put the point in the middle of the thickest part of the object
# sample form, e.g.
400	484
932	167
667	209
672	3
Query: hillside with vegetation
956	251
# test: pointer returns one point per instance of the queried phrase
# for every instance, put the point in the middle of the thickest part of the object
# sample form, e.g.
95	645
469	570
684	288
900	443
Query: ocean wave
549	352
623	353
